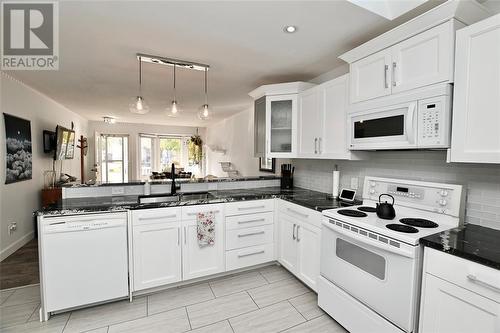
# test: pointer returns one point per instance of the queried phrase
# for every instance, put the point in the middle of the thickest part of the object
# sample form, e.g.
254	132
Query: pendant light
138	105
174	109
204	113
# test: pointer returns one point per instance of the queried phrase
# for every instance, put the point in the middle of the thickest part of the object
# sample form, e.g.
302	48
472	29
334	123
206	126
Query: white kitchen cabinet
371	76
156	246
278	130
423	59
476	104
199	260
458	295
308	238
322	121
299	242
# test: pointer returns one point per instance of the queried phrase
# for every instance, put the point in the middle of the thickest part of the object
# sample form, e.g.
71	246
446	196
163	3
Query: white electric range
371	267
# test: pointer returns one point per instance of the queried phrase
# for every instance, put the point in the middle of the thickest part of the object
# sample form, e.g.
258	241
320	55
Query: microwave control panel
433	127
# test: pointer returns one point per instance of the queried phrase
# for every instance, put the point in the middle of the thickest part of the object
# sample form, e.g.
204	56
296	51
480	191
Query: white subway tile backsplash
482	181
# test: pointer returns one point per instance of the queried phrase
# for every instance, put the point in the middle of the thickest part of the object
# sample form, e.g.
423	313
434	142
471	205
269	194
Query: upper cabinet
476	105
421	60
275	119
323	121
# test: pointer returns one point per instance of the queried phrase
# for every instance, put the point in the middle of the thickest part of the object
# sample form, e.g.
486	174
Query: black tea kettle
386	210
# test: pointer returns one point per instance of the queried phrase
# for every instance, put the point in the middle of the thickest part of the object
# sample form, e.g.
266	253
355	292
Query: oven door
380	275
393	127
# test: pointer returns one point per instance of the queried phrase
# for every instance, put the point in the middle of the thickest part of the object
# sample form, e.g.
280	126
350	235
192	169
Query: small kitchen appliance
370	267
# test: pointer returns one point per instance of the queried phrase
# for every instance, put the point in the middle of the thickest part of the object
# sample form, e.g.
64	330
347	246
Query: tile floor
269	299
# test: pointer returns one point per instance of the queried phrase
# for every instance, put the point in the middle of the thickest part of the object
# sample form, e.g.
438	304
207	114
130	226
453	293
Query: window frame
125	161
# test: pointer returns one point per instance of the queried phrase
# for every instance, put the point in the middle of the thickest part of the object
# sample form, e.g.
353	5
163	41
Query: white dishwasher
84	260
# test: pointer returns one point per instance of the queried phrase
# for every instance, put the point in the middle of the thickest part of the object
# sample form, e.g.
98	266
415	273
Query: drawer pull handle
250	221
196	213
250	254
293	232
252	207
158	217
474	279
252	234
298	213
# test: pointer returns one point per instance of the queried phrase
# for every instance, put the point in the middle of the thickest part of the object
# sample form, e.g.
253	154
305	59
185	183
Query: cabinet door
333	141
287	242
447	307
423	59
260	127
308	240
156	254
200	260
310	112
371	76
281	124
476	104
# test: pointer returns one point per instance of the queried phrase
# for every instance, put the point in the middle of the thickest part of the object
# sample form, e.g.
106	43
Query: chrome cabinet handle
251	221
250	254
298	239
386	69
252	207
474	279
179	236
296	212
185	235
315	145
394	83
293	232
251	234
319	145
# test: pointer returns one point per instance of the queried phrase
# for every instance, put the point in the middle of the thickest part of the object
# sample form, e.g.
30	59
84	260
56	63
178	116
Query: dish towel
206	228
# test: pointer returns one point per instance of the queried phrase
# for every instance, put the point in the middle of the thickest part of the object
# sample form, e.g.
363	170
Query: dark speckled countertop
307	198
472	242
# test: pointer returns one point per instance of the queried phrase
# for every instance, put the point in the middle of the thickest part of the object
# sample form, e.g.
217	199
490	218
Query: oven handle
360	240
410	123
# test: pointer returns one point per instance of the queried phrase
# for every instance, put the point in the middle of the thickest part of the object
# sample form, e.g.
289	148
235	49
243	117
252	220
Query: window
158	152
114	158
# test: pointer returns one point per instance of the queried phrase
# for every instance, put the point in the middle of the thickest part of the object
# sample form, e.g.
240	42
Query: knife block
286	181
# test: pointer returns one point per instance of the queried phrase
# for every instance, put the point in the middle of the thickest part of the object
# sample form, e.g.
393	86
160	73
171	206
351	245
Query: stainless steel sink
196	196
159	198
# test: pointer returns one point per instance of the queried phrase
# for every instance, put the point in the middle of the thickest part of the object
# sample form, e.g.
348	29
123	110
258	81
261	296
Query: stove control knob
372	184
443	202
372	191
443	193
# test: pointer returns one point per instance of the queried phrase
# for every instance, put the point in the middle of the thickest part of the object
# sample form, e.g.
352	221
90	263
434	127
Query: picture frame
267	164
18	149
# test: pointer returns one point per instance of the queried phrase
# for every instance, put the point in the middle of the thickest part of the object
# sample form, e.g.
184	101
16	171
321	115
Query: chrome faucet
173	189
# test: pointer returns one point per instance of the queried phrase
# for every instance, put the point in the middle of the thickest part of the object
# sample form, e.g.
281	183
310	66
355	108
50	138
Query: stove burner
367	209
421	223
402	228
351	213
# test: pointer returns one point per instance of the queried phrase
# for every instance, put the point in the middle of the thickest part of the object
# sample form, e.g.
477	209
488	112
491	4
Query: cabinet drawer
467	274
155	216
301	213
249	256
239	238
249	207
249	220
190	212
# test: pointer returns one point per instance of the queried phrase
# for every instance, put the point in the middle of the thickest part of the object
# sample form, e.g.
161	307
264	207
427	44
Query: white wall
235	135
133	130
19	200
482	181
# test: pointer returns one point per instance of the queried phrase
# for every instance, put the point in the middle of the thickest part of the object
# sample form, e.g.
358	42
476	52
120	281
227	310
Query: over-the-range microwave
416	120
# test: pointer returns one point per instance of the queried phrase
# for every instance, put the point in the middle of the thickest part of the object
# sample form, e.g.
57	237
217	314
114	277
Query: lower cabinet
299	242
458	295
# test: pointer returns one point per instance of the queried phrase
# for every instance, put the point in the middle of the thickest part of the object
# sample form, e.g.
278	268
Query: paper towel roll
336	183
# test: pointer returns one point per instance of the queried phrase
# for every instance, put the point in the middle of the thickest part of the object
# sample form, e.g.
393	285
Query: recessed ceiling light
109	120
290	29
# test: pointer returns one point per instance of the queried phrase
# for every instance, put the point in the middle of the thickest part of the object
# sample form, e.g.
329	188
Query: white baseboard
4	253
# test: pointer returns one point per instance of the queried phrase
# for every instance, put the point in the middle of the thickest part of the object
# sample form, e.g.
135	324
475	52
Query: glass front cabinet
275	119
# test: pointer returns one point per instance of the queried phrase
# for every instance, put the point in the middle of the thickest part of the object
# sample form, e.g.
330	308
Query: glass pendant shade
204	113
138	105
174	109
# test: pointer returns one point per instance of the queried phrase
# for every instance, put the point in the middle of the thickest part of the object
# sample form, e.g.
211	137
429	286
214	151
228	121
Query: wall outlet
12	227
354	183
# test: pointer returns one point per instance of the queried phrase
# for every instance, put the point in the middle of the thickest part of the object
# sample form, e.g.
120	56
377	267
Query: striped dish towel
206	228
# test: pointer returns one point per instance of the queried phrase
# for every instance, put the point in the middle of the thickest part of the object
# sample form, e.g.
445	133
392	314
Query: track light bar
171	62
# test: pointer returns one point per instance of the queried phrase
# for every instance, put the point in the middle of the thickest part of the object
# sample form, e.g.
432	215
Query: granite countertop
472	242
307	198
177	180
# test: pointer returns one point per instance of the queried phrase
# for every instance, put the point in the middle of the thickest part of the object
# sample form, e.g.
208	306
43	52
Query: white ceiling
243	41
